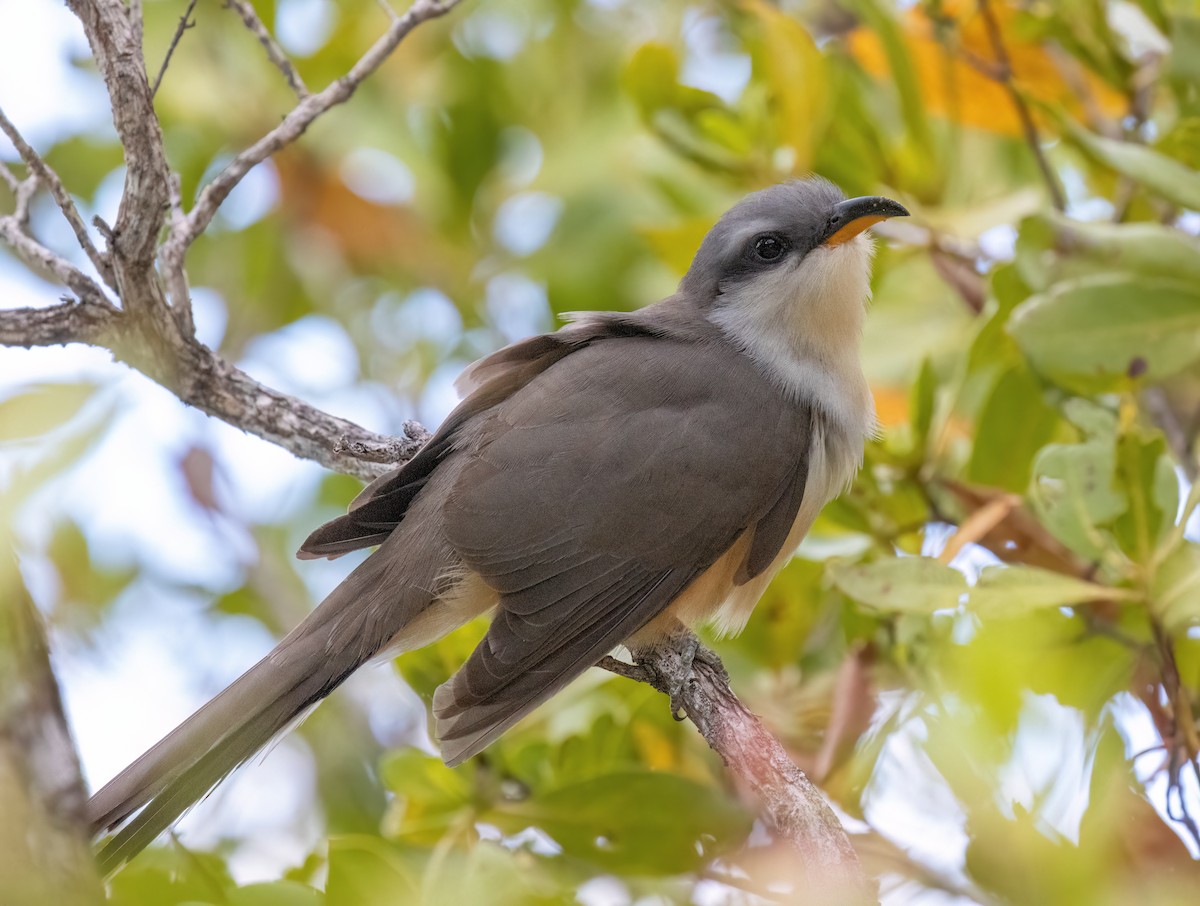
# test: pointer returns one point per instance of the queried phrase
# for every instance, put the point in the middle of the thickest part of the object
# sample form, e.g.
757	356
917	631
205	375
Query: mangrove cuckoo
598	486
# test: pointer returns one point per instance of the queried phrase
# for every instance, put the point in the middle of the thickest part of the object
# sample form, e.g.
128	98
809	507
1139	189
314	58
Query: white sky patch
210	315
491	33
304	26
311	356
67	100
377	176
525	221
424	315
710	64
521	155
909	803
999	243
439	395
251	199
1050	768
604	890
1143	744
518	306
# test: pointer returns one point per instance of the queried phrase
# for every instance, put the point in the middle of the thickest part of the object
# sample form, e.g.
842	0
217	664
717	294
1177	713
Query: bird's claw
670	663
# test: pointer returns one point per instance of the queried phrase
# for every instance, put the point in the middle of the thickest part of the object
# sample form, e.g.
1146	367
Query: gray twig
275	53
51	181
39	258
299	119
1001	71
9	179
185	22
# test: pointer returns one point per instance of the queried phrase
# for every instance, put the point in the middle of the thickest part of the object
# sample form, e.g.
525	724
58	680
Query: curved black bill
852	216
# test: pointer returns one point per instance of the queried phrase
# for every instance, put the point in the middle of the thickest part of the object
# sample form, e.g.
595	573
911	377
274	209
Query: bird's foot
669	664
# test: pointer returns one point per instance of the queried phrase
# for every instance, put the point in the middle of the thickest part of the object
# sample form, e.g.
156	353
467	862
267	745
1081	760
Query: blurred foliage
977	640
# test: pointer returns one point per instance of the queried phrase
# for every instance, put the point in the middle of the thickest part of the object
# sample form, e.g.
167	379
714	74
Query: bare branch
185	22
50	180
24	195
1003	74
7	177
173	266
201	378
790	803
391	451
85	321
115	40
40	258
300	118
275	53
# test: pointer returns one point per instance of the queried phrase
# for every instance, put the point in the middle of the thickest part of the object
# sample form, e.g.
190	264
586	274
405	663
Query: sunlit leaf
1160	174
41	408
902	584
1075	494
1175	596
1101	333
1007	590
635	822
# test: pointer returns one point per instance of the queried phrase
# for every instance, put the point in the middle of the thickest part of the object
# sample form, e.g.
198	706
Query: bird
599	486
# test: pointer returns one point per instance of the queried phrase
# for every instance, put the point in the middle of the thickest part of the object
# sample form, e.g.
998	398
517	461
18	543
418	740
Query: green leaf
276	893
634	822
429	795
1009	590
1147	474
922	404
1175	594
41	408
1095	334
1013	425
902	584
1070	248
1093	419
168	876
652	79
365	871
1160	174
1075	495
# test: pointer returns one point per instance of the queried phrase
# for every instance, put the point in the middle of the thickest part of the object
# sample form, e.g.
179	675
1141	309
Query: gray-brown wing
593	496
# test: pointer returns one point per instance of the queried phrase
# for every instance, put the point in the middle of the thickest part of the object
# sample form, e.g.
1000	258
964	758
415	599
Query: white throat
803	326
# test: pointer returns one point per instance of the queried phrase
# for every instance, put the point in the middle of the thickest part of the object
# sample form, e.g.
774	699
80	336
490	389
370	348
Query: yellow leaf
953	88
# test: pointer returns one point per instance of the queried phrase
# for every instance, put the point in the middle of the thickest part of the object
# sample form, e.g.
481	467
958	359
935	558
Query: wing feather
604	488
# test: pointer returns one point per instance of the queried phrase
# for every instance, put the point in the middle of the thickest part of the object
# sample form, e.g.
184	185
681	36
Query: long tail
352	625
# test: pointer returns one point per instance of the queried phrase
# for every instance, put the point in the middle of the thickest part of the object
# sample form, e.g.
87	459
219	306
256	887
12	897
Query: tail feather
358	619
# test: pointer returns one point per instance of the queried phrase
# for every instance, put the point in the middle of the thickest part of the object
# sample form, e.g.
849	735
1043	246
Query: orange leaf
952	87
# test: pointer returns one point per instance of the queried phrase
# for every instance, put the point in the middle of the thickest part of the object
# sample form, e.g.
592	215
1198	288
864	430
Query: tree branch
1001	71
206	381
300	118
790	803
185	22
51	181
275	53
40	259
86	321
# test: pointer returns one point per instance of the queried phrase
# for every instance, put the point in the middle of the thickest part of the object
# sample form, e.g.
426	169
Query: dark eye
768	247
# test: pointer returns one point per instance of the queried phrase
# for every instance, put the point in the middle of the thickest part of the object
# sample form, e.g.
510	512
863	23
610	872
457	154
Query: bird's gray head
786	275
776	229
